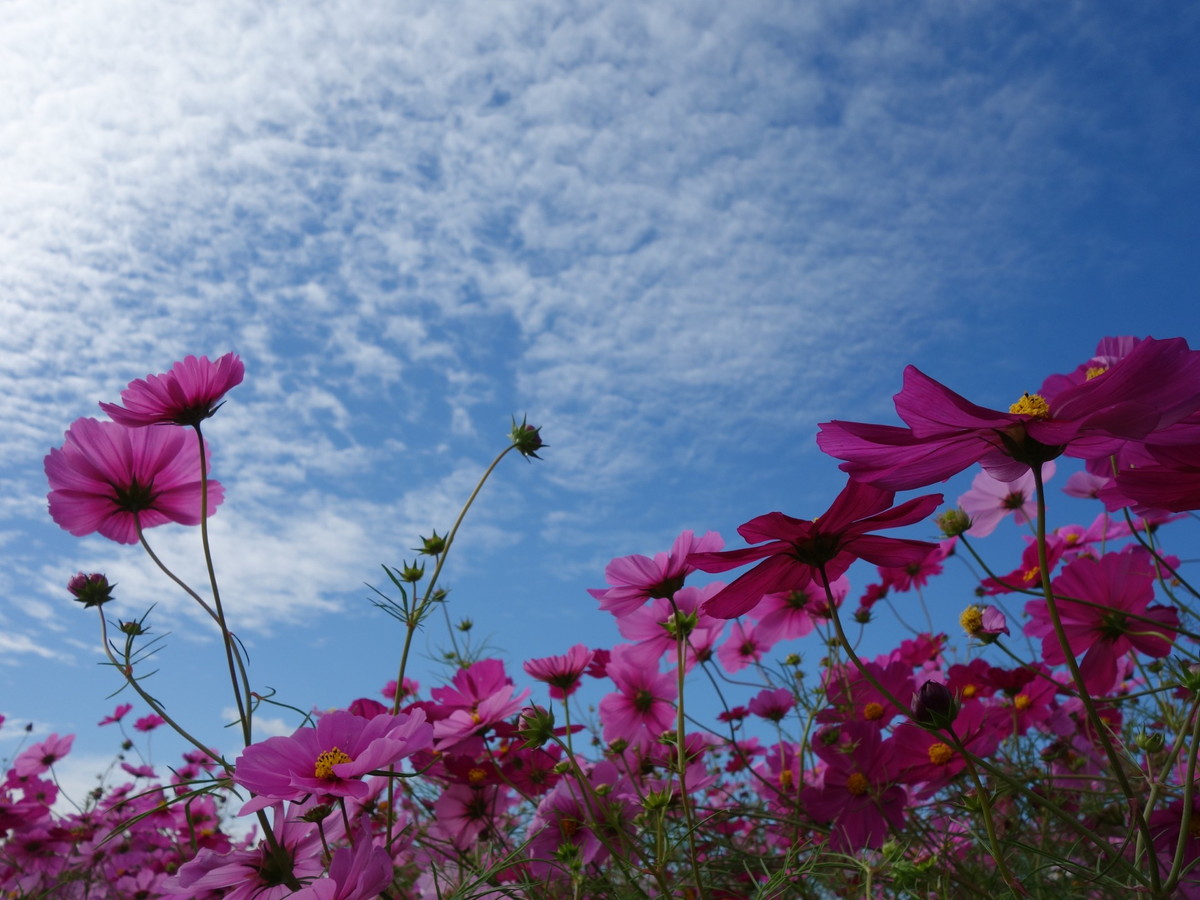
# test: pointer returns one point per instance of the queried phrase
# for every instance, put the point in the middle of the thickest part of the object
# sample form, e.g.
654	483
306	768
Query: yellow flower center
1022	701
1093	371
327	760
969	690
940	754
1032	405
857	784
568	827
786	779
476	775
971	620
873	711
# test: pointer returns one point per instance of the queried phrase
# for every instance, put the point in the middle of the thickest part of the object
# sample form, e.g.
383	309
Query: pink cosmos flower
149	723
1155	385
785	615
772	705
795	549
857	796
655	626
635	579
744	647
329	759
41	756
257	873
990	500
644	705
1106	612
563	672
109	479
186	395
360	872
927	758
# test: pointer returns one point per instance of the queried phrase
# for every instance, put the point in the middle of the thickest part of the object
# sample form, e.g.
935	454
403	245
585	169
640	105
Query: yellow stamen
857	784
940	754
873	711
327	760
476	775
1093	371
1022	701
971	620
969	691
1032	405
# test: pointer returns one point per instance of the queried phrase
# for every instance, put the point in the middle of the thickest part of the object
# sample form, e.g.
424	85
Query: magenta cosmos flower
1155	385
793	551
563	672
187	395
329	759
110	479
1106	612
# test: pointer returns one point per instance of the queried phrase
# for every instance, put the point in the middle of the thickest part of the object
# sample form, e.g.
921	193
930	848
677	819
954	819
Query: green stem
226	635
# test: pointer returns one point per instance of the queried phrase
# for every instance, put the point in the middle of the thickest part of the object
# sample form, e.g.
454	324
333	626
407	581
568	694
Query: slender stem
226	635
126	669
681	749
1093	716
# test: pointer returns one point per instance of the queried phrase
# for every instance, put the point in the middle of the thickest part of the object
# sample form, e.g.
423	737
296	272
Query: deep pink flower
563	672
857	795
635	579
117	714
107	478
186	395
257	873
1106	612
1028	576
928	758
149	723
1155	385
795	549
785	615
41	756
331	758
360	872
772	705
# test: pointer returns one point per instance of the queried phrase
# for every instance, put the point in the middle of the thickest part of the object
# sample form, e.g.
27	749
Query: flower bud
91	590
953	522
527	439
934	706
1150	741
535	726
432	546
412	574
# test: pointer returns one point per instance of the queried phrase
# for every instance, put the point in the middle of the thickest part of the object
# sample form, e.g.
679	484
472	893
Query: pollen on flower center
940	754
971	620
873	711
1094	371
1033	405
857	784
476	775
1022	701
327	760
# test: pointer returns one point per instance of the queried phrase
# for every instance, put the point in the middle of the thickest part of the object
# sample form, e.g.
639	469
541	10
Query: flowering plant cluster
1056	753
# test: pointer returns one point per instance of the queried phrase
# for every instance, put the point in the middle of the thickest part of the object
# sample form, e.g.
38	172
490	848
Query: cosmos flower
110	479
1156	384
794	550
1106	612
635	579
186	395
563	672
331	758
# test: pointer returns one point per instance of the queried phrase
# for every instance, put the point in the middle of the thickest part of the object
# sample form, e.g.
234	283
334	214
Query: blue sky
676	235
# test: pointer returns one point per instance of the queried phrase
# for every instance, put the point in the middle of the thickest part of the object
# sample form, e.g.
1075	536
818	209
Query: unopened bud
934	706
